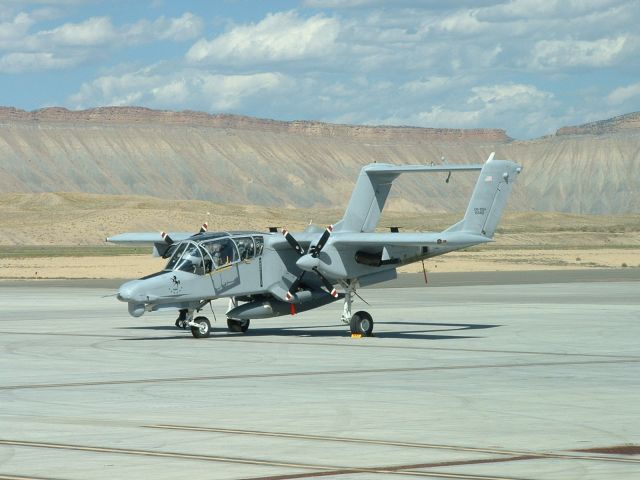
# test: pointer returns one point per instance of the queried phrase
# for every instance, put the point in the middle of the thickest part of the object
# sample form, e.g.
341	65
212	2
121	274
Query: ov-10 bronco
272	274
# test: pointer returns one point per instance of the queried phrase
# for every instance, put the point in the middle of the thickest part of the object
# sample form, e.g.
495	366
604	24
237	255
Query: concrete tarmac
524	381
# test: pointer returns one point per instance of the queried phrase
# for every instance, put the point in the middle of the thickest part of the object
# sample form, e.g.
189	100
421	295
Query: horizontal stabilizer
372	189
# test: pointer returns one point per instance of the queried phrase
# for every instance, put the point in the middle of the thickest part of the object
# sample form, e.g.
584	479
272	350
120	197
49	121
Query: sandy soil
135	266
81	220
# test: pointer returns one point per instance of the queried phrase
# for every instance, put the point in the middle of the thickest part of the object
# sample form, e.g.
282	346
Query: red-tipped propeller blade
315	251
292	241
294	287
327	284
167	239
204	227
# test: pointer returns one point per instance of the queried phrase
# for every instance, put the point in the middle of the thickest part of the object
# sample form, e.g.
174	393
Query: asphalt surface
530	380
434	279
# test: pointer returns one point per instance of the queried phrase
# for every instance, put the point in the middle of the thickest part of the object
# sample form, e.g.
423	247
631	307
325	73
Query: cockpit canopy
201	256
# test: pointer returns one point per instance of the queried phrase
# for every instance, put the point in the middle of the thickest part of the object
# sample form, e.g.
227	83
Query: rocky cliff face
243	160
623	123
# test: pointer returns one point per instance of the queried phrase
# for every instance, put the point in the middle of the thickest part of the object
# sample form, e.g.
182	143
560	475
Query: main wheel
362	323
238	325
204	330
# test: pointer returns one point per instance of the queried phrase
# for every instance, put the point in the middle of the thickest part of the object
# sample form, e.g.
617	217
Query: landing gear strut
361	322
181	321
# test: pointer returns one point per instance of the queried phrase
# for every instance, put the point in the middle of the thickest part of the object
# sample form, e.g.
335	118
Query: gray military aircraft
269	274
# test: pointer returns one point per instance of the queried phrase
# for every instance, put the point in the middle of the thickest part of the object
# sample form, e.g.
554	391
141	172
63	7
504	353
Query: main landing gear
238	326
360	323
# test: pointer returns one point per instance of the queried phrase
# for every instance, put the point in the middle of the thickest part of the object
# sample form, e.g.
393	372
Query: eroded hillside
242	160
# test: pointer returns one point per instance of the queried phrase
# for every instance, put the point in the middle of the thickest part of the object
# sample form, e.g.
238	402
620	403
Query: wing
154	239
146	238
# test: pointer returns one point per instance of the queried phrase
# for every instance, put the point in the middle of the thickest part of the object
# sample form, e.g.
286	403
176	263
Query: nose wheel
361	323
200	327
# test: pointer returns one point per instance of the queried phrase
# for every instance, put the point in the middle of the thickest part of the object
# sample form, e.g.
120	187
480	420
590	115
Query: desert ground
61	235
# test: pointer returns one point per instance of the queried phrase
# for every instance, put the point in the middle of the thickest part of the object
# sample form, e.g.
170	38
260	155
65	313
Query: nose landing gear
200	327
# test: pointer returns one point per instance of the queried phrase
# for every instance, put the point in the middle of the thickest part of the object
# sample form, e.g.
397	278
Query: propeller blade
292	241
167	238
321	243
204	227
294	287
327	284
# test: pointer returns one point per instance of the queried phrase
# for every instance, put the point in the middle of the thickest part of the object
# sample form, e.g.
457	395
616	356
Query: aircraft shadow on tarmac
416	331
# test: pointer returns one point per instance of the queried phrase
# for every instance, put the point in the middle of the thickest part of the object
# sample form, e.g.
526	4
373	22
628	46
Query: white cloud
32	62
91	32
429	85
508	96
195	89
492	106
186	27
72	44
17	28
280	36
623	94
464	22
577	53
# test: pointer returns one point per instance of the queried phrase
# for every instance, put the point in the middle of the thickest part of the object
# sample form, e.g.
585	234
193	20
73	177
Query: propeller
314	251
292	241
169	241
317	248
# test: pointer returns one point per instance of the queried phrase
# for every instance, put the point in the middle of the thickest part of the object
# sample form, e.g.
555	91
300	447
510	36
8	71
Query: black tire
362	323
205	328
238	326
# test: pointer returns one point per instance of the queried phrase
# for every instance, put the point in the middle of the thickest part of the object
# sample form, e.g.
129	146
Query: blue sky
528	66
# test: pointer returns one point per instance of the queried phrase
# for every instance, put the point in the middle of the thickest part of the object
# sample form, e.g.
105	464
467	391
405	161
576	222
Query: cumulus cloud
577	53
623	94
278	37
92	32
508	96
11	31
72	43
32	62
184	89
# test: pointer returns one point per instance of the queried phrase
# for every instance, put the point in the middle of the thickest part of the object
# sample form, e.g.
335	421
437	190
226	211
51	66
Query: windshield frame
178	260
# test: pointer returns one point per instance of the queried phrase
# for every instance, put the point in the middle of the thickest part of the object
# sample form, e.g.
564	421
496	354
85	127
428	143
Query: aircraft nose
127	291
307	263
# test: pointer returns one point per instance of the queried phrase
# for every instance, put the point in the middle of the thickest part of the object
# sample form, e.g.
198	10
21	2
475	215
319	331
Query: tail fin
489	198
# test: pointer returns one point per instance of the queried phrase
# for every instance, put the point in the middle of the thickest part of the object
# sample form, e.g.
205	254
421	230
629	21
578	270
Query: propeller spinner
308	261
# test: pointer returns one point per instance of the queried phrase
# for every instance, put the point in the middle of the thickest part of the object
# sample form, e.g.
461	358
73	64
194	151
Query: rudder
489	198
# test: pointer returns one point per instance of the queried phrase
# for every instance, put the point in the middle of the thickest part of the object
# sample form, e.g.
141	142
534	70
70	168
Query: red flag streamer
293	309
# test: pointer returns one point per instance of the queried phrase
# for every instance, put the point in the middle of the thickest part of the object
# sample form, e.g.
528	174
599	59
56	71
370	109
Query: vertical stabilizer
367	200
489	198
